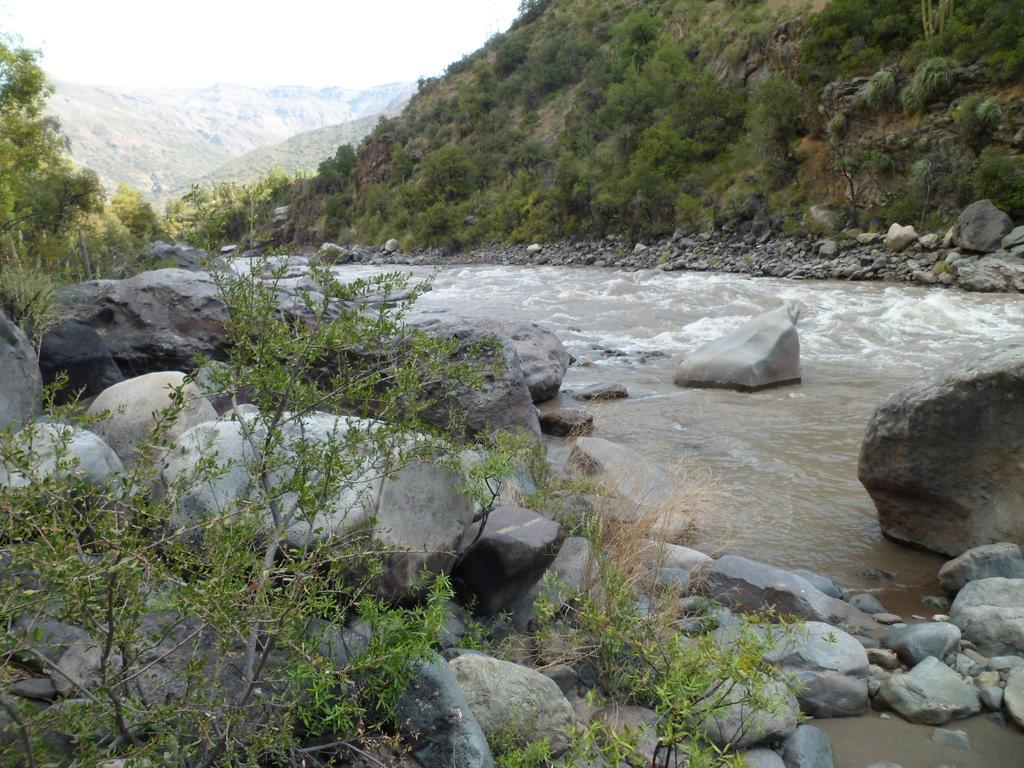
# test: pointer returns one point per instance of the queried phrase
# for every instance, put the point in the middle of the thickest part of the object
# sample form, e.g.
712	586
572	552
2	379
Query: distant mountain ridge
161	140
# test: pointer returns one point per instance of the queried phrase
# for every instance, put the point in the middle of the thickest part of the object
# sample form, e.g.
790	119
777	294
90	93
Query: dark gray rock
867	603
602	392
764	352
164	320
987	561
38	688
76	350
990	613
981	227
508	558
940	458
179	255
916	642
823	583
20	383
807	747
565	421
435	719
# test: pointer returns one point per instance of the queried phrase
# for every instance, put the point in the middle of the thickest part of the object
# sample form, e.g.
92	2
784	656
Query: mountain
643	117
302	152
160	140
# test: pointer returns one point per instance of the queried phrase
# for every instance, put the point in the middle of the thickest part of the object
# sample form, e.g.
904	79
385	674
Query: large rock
942	459
807	747
627	475
501	401
981	227
985	562
764	352
916	642
741	725
421	520
930	693
77	351
995	273
20	385
437	721
831	667
64	450
990	612
1013	695
179	255
508	558
542	358
747	585
134	407
163	320
899	238
506	696
566	421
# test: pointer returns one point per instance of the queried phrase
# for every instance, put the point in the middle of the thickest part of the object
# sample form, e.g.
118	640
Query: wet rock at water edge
968	417
990	613
987	561
867	603
765	352
916	642
566	421
807	747
1013	695
949	737
931	693
600	392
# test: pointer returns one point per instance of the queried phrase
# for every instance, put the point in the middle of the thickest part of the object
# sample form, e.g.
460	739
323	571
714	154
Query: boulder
178	256
916	642
132	409
822	583
507	696
20	383
981	227
995	273
542	357
77	351
762	757
331	253
764	352
931	693
421	520
510	555
391	246
987	561
740	725
1014	239
436	720
941	458
635	481
899	238
1013	695
163	320
990	613
867	603
602	392
566	421
501	401
65	450
533	249
830	665
747	585
807	747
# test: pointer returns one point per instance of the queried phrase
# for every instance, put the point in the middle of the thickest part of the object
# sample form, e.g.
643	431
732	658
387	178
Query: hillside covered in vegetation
588	118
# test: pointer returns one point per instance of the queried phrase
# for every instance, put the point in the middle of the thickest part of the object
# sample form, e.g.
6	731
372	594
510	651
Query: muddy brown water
784	460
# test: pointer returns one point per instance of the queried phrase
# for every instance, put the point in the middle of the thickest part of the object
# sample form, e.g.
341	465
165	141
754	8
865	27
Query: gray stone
566	421
990	612
79	668
391	246
503	695
762	758
1013	239
438	723
867	603
1013	695
807	747
602	392
740	726
164	320
827	249
660	554
627	475
178	255
508	558
884	658
542	358
931	693
981	227
916	642
822	583
969	416
19	376
900	237
747	585
45	637
133	408
987	561
765	352
64	451
38	688
81	355
996	273
948	737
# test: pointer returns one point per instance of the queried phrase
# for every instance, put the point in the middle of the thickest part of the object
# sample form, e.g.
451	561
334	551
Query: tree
773	122
135	213
335	173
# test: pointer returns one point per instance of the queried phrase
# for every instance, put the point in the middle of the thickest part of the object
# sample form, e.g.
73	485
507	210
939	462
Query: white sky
165	43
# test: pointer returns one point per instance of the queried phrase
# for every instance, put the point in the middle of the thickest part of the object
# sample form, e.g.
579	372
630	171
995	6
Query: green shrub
1000	178
976	118
932	80
881	91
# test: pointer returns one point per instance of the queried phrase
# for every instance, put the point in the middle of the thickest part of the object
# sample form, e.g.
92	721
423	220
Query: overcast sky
166	43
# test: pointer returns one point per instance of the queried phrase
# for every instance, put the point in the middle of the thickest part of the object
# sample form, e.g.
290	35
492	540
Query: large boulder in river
943	459
981	227
990	612
20	386
502	399
163	320
542	357
82	355
764	352
130	412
